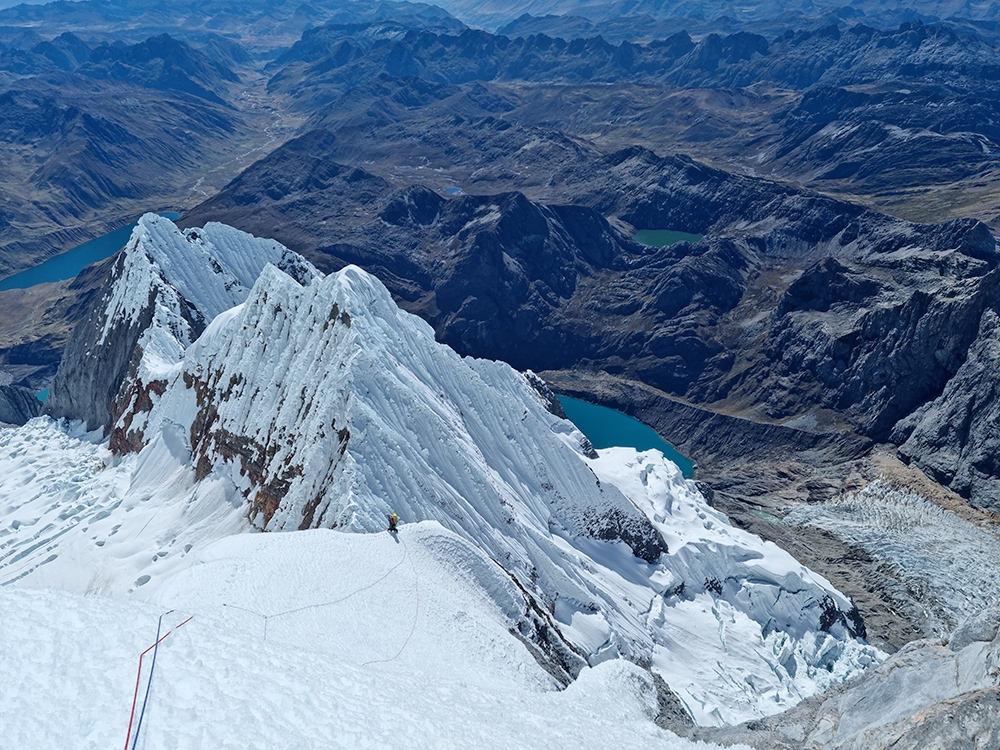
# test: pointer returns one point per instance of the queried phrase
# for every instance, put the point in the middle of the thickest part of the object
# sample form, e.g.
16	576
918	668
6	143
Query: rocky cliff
954	438
18	405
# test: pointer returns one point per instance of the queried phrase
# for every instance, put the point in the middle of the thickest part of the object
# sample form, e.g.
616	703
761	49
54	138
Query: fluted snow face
327	406
190	277
363	412
180	282
212	268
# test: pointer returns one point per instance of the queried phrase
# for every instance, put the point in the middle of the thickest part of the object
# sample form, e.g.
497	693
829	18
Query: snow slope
750	618
74	517
407	648
324	405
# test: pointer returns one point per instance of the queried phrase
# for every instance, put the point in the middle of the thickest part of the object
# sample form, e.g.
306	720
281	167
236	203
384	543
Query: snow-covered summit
315	402
195	274
165	287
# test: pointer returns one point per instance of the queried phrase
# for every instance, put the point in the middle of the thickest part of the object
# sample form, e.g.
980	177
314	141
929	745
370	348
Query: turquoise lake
69	264
663	237
607	428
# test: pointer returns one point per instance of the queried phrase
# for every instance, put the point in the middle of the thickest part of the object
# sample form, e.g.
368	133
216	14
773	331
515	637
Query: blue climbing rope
152	666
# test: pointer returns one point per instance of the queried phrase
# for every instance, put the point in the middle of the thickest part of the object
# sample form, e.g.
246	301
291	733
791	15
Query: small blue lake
608	428
69	264
663	237
453	190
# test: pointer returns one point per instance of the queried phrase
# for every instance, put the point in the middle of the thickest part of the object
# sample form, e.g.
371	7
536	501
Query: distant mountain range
340	56
162	63
494	15
84	129
261	25
904	118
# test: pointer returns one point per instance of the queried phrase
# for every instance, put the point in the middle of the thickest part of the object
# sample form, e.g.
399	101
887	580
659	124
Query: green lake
663	237
69	264
608	428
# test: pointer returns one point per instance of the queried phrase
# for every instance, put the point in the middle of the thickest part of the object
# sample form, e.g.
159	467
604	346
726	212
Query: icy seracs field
499	508
953	564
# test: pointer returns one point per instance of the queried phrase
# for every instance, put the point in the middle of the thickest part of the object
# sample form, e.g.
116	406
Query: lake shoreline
67	265
605	427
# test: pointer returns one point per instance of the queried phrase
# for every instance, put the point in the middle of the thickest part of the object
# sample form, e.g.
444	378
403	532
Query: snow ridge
166	286
327	406
183	280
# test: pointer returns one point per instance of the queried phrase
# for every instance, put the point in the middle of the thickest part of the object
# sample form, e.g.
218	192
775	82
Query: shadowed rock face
875	339
93	367
954	438
18	405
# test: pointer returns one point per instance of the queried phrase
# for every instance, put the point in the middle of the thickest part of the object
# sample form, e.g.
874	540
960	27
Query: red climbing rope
138	675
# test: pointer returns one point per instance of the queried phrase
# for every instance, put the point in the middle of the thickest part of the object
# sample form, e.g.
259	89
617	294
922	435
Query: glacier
265	397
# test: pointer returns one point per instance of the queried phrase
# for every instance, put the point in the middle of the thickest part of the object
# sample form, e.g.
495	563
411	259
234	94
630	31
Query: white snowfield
402	644
324	405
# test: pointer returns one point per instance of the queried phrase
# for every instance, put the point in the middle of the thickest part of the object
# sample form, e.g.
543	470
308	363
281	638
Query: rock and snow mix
952	565
321	404
931	693
748	614
191	277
